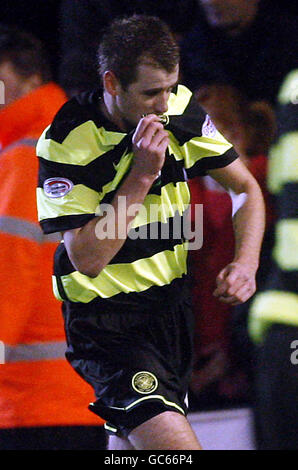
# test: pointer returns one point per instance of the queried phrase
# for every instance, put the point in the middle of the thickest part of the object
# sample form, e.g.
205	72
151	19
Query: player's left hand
236	283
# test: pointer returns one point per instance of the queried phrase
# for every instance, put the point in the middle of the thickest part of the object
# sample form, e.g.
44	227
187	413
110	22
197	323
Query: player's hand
150	142
236	283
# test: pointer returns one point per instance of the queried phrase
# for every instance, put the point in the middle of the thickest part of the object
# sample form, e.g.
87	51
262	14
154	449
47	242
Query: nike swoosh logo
115	165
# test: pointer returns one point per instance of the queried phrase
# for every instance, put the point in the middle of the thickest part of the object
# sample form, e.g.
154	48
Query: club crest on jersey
208	128
57	187
144	382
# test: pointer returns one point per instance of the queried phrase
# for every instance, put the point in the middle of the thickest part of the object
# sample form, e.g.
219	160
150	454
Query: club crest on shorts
57	187
144	382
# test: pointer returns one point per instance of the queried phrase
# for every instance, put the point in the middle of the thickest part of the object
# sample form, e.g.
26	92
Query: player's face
148	95
229	14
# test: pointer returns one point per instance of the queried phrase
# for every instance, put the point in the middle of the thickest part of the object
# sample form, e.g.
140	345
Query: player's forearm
95	244
91	248
249	224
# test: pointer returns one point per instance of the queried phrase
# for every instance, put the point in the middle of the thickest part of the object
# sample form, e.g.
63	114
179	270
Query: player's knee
168	430
119	443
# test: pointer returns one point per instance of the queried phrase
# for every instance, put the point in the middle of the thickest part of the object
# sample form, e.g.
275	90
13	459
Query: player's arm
236	282
87	251
249	126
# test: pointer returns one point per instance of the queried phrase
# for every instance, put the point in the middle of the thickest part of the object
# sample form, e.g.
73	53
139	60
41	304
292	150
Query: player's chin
130	122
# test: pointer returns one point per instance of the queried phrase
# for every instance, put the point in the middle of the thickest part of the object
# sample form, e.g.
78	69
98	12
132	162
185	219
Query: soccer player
113	177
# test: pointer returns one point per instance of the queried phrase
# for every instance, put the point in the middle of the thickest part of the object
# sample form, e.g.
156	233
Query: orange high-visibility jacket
37	386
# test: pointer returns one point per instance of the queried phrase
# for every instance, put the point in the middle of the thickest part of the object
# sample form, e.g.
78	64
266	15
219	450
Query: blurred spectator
37	18
238	42
82	23
42	400
236	58
211	338
273	318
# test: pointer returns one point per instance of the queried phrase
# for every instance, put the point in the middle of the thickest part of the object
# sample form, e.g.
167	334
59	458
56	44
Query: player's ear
111	83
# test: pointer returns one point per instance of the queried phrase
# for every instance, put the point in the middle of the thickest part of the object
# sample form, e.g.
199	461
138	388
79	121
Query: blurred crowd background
240	59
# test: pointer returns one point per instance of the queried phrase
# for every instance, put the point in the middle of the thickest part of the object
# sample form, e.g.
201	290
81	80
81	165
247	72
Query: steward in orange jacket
38	388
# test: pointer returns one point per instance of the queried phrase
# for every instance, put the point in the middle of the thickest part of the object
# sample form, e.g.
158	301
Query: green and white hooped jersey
84	159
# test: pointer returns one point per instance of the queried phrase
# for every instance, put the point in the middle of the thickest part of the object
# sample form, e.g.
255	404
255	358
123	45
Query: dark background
41	17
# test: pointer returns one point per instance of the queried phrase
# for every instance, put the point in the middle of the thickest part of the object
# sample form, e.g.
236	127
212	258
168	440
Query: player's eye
151	93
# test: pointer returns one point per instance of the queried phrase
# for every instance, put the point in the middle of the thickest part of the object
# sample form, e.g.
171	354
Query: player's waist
140	275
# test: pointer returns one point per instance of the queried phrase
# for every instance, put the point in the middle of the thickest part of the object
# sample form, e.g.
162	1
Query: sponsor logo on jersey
208	128
57	187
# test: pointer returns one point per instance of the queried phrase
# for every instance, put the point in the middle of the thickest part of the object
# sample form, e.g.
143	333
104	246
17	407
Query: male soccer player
113	181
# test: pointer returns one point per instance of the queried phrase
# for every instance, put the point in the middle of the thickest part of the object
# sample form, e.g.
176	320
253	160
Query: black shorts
138	362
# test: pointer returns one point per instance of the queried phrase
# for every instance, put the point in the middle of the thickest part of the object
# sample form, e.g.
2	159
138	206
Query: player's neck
107	107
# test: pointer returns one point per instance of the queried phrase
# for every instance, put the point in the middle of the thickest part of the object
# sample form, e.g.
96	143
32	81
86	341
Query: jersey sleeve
194	138
64	200
75	173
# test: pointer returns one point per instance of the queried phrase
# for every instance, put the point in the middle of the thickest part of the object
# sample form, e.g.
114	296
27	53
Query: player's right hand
150	141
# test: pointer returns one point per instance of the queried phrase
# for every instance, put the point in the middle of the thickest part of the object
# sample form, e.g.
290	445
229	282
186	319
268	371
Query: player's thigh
166	431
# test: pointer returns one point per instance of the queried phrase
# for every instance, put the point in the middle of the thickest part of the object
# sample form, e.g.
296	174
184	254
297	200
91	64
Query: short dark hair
133	40
25	52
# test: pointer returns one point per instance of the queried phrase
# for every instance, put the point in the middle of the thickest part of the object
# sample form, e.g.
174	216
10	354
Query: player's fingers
152	130
221	276
146	127
164	144
160	136
241	296
233	286
235	272
232	278
230	285
222	284
220	289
